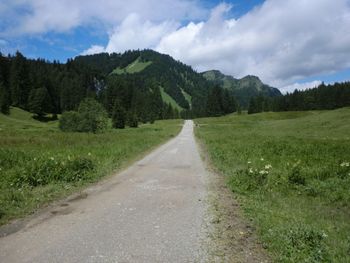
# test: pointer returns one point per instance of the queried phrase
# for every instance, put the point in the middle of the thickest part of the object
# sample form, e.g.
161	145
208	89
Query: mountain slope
186	88
243	89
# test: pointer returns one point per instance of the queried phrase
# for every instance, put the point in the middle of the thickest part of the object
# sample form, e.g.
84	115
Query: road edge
231	238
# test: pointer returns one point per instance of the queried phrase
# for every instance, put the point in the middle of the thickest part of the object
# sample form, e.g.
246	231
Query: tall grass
291	173
39	163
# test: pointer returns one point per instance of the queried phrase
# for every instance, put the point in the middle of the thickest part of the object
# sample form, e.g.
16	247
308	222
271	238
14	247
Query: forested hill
144	83
243	89
323	97
179	84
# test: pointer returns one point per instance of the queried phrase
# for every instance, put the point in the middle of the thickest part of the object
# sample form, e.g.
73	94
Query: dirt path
158	210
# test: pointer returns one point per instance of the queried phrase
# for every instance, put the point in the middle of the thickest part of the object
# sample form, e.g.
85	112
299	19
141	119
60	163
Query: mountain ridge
243	89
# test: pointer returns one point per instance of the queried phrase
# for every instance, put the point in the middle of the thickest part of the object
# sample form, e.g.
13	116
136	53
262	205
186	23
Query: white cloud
41	16
134	33
94	49
280	41
300	86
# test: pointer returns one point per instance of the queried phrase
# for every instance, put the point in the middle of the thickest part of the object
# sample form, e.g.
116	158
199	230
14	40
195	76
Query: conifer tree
19	81
132	119
39	101
4	99
118	115
214	102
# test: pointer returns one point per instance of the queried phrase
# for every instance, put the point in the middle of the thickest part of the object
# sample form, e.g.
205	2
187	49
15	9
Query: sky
289	44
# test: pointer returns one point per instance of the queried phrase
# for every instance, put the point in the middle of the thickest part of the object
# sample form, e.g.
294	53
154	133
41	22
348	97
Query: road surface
152	212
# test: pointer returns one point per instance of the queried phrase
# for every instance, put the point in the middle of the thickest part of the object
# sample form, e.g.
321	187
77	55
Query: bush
69	121
91	117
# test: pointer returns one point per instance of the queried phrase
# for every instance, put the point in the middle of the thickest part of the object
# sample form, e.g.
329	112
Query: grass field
291	173
134	67
39	163
167	99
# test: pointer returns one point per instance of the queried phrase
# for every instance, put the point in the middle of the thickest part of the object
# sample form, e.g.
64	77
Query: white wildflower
261	159
249	162
52	159
268	166
251	170
263	172
345	164
89	154
324	235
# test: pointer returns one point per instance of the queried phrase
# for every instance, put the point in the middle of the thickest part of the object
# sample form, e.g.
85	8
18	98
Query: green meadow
290	172
134	67
39	163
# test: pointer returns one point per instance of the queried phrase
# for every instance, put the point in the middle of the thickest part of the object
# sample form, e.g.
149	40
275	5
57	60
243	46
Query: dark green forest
44	87
323	97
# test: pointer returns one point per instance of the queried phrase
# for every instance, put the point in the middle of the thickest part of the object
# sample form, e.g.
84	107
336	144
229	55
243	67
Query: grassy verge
38	163
291	173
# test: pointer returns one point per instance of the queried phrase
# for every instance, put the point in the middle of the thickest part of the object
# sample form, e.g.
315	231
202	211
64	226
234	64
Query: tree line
44	87
323	97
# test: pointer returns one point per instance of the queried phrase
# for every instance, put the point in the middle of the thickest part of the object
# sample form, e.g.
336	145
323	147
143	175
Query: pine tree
228	102
214	102
118	115
253	107
4	99
19	81
132	119
39	102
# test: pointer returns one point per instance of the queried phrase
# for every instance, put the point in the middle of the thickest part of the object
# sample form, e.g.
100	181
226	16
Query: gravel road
152	212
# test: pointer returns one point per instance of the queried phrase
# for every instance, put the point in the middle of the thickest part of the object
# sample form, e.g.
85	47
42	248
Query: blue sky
288	44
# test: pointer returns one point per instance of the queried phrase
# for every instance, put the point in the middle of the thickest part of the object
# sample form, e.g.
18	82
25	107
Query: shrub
91	117
69	121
